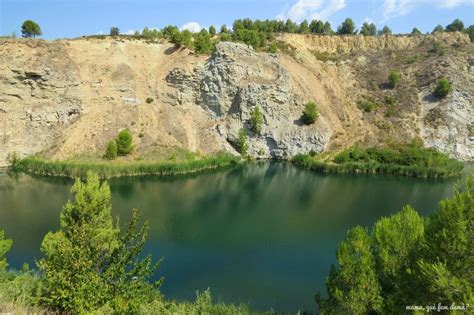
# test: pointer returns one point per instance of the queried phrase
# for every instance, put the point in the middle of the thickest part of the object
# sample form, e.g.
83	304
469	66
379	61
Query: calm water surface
264	234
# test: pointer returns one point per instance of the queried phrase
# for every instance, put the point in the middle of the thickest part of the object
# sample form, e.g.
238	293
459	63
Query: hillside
67	98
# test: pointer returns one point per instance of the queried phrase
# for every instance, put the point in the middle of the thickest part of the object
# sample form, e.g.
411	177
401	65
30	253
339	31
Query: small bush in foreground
310	113
149	100
402	261
443	88
89	262
5	245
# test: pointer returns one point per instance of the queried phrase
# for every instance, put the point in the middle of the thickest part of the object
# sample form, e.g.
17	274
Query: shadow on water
263	234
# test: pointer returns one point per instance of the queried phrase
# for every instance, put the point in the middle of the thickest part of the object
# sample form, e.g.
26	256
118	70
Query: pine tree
89	263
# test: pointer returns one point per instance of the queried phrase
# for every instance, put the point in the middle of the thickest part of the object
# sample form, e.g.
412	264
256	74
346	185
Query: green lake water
263	234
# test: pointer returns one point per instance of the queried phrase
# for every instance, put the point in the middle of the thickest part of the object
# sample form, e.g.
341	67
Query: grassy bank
109	169
407	160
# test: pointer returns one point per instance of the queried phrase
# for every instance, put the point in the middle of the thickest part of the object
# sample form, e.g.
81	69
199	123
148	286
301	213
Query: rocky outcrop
236	80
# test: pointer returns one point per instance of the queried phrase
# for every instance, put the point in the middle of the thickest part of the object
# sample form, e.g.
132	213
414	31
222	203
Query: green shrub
366	105
437	49
402	261
30	29
149	100
413	59
256	120
114	31
212	30
90	262
273	48
347	27
202	42
310	113
242	144
124	142
111	150
443	88
393	78
5	245
390	100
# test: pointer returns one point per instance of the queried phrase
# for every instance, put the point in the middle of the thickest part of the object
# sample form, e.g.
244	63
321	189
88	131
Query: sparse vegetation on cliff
310	113
443	88
256	120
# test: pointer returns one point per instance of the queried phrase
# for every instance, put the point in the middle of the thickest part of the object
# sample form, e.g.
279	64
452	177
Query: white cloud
311	9
394	8
193	27
130	32
368	20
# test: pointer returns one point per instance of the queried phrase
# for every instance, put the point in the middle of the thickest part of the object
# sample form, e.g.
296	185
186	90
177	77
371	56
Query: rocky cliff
67	98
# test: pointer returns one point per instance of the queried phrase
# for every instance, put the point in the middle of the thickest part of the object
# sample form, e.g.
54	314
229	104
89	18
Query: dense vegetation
107	169
407	261
399	159
260	34
92	265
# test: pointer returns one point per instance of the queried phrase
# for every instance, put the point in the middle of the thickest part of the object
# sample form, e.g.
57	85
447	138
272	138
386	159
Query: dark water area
263	234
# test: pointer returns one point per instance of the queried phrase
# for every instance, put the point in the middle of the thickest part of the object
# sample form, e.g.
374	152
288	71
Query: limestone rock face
236	80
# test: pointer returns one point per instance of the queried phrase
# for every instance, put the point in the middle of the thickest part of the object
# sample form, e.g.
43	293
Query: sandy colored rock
68	98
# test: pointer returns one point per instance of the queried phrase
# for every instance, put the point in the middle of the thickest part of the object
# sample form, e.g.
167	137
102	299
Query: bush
5	245
111	150
256	120
310	113
124	142
273	48
393	78
90	262
202	42
415	32
212	30
366	105
437	29
242	145
149	100
437	49
30	29
402	261
443	88
456	26
368	29
347	27
385	31
389	100
114	31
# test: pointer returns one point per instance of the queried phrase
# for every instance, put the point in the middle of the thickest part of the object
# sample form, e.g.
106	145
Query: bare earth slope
68	98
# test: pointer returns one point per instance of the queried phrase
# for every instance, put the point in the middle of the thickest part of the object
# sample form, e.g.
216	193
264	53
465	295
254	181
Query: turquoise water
263	234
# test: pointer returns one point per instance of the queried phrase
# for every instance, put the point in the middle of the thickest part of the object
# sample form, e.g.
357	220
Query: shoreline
106	170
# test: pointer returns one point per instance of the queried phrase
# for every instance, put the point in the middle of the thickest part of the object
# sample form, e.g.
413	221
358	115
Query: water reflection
264	234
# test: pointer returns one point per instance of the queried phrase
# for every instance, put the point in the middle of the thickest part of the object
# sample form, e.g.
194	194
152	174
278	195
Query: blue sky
72	18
